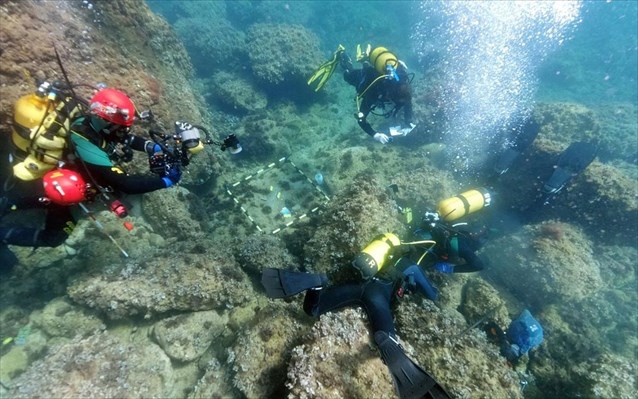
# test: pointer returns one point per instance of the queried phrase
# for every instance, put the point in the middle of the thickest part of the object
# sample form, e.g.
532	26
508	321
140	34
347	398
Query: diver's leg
318	302
472	262
53	234
376	299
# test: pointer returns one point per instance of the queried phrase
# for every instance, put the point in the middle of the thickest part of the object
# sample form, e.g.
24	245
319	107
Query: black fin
571	163
281	283
410	379
527	135
577	157
505	160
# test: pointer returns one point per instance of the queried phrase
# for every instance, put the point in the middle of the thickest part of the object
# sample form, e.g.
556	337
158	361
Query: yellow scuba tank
40	127
380	58
375	255
463	204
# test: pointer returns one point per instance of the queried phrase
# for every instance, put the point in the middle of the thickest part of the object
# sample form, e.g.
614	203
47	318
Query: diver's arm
363	124
413	273
138	143
472	262
407	113
129	184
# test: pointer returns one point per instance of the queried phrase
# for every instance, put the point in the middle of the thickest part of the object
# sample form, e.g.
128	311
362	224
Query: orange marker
128	226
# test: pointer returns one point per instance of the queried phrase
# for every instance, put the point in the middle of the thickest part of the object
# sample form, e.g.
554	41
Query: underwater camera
232	143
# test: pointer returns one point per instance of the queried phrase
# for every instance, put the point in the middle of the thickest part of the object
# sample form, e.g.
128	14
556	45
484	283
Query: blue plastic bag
525	332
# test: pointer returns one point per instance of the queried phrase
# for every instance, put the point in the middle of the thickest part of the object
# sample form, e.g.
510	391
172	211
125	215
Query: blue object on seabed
319	179
525	332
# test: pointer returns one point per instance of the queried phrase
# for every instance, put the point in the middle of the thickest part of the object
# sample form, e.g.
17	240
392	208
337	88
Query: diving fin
571	163
410	380
325	70
524	135
505	160
577	157
281	283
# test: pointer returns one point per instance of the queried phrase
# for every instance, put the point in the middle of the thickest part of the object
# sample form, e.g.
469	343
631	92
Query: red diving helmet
114	106
64	187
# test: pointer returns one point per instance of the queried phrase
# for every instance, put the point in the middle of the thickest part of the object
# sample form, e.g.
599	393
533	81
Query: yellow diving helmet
375	255
463	204
381	57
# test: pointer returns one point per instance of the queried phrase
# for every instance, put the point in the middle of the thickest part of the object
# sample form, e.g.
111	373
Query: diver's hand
381	138
151	147
444	267
173	176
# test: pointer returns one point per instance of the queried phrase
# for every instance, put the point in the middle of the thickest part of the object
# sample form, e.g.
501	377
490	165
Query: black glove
173	176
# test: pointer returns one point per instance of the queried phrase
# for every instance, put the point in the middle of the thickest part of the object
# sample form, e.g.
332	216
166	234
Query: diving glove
382	138
444	267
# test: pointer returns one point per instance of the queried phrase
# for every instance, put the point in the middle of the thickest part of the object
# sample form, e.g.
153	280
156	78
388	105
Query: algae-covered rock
619	122
264	250
186	337
462	360
567	122
236	92
61	318
215	383
353	218
337	360
212	42
176	212
481	301
282	53
259	356
545	263
188	282
610	376
101	365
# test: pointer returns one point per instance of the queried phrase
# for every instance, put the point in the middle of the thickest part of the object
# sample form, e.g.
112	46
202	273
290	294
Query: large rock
100	366
337	360
61	318
176	212
264	250
353	218
462	360
188	282
186	337
284	54
259	356
545	263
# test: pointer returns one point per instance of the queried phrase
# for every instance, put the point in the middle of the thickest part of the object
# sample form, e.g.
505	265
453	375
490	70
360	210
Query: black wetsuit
453	246
375	296
383	92
18	194
108	176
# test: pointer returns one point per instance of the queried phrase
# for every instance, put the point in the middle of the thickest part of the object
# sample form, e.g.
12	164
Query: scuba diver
102	140
45	126
454	251
382	82
455	244
387	276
